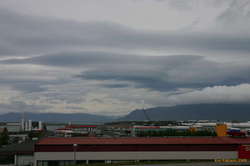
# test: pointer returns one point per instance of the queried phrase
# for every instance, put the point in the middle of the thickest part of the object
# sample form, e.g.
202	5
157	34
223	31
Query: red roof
146	127
69	127
63	129
81	126
171	140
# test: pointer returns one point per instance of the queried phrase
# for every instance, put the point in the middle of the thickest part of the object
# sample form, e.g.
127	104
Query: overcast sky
107	57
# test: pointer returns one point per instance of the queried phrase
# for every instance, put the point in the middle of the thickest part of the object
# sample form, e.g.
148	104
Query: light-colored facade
23	160
66	151
115	156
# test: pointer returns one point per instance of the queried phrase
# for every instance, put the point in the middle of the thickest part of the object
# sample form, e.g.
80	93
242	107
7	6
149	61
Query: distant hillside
56	117
182	112
194	112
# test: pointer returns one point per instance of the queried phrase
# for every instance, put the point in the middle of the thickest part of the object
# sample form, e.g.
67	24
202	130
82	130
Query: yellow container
221	130
192	129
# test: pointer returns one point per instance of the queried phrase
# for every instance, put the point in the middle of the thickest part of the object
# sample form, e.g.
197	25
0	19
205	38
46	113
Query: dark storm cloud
21	34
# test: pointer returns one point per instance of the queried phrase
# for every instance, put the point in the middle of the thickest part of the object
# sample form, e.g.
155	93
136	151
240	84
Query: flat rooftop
150	140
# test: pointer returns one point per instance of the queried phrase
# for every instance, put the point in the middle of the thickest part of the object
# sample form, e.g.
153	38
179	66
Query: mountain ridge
239	112
55	117
192	112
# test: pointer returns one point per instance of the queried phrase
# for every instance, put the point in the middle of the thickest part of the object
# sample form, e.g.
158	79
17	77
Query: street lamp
74	148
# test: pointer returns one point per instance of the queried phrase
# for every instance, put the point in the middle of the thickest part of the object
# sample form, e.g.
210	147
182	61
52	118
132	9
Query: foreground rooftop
150	140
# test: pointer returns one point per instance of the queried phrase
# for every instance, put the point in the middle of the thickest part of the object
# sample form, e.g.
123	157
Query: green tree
4	137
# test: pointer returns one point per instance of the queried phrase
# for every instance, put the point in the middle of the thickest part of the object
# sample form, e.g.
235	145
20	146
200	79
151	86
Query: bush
4	137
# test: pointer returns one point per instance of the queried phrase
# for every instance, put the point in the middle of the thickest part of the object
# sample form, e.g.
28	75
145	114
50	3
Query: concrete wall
21	160
170	155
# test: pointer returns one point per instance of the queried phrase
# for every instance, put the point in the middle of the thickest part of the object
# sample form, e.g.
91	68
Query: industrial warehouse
64	151
75	144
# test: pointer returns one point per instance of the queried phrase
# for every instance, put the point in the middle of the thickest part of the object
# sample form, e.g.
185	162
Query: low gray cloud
20	106
181	5
38	35
116	85
106	66
216	94
173	74
162	73
32	83
236	17
28	86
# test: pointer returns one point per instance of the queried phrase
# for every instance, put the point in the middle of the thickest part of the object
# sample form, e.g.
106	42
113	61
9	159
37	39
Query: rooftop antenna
64	106
23	115
144	111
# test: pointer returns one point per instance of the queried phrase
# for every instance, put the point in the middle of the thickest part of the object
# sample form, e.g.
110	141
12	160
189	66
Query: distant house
71	130
11	126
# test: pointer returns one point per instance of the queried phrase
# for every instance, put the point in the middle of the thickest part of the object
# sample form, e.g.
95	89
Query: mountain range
239	112
56	117
193	112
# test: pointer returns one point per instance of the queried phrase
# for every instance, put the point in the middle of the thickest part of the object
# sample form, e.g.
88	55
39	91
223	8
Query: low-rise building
78	130
64	151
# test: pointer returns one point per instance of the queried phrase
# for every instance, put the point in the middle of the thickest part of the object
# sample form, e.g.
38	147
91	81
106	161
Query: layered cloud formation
84	64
